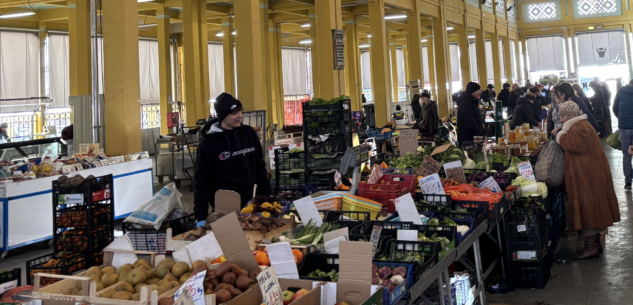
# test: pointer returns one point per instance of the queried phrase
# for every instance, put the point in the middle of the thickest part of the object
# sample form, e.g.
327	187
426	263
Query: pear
127	267
109	279
136	297
169	262
153	281
123	276
95	277
108	269
94	270
100	286
170	277
161	271
174	284
185	277
137	276
148	270
141	261
121	295
138	287
125	286
179	269
108	293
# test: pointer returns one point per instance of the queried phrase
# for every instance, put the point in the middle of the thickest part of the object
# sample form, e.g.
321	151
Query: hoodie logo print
225	155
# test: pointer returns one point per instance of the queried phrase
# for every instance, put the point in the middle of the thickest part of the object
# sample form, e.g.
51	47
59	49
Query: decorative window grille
59	120
488	3
542	11
20	126
510	11
500	6
150	116
592	7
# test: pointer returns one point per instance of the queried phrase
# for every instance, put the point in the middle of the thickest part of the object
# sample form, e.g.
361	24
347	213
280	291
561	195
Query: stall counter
26	209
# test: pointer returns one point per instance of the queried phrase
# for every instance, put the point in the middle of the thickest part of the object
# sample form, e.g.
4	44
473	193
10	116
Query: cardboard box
354	282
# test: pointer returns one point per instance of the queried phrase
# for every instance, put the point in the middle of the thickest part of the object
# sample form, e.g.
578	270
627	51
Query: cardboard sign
227	202
408	141
407	210
269	284
455	171
282	259
375	237
431	185
491	184
192	291
332	239
441	149
428	167
232	240
308	210
376	173
525	170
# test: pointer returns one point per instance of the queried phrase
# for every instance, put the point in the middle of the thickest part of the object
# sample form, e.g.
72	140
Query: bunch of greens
322	274
395	255
310	234
433	239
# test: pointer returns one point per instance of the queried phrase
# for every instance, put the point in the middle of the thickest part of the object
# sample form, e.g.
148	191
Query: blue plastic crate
378	135
402	289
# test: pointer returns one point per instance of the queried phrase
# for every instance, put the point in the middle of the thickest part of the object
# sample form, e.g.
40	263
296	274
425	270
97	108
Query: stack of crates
327	133
527	243
289	175
558	217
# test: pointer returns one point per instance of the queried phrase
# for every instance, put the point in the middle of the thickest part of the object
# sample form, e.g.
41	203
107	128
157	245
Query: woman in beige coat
591	202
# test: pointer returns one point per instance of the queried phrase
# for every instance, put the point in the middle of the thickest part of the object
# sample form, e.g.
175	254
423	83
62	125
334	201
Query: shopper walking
601	110
523	112
623	110
230	157
469	121
431	121
489	94
581	94
516	93
417	108
562	93
504	94
592	205
537	110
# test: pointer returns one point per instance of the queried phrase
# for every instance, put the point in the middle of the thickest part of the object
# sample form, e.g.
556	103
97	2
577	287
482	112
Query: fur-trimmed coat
592	203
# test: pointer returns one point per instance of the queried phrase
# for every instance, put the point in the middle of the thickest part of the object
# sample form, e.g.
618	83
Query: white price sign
491	184
269	284
431	185
407	210
525	170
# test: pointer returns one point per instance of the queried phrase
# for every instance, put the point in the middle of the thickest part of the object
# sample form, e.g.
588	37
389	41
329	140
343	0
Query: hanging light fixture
307	41
17	15
305	25
450	28
363	46
219	34
394	17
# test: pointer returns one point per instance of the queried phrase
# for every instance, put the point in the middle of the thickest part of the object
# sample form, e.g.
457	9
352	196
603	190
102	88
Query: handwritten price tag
408	141
376	173
375	237
491	184
192	291
431	185
269	284
428	167
525	170
407	210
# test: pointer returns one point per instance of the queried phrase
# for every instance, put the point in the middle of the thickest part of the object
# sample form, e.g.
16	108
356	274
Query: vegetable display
308	234
266	205
333	275
388	277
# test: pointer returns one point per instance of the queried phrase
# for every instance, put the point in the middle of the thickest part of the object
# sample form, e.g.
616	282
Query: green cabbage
469	164
481	165
511	170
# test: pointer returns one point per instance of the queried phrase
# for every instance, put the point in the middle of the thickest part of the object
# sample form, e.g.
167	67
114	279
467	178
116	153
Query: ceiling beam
288	6
52	14
217	8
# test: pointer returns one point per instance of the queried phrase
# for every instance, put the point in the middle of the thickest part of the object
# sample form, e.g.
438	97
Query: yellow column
517	58
627	32
394	70
464	52
192	62
120	52
482	67
507	57
276	68
79	47
41	115
569	61
407	69
414	45
379	61
496	58
164	67
316	86
352	64
229	57
430	49
328	17
526	71
442	63
266	73
248	47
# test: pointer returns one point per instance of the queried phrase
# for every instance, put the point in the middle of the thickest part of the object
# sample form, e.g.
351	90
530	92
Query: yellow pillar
394	70
482	67
164	67
464	52
316	86
442	63
41	114
276	68
496	58
229	57
517	59
352	64
379	61
568	60
266	73
121	77
574	45
414	45
507	57
80	65
328	17
526	71
248	47
407	69
629	60
430	49
196	62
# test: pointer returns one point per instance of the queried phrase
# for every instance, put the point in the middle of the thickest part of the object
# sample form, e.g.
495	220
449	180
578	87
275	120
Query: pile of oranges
261	257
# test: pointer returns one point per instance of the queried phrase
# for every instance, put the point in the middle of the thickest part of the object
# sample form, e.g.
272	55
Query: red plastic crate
387	193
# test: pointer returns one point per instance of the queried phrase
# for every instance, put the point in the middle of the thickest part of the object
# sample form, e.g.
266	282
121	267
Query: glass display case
32	149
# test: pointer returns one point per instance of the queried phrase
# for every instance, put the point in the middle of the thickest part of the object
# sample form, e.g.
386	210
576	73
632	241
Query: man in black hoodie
504	94
230	157
469	121
515	94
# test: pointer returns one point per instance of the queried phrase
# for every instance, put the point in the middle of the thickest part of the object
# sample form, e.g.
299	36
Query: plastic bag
158	208
550	165
614	140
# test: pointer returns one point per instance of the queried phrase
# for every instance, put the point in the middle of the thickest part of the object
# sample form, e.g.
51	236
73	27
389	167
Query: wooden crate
53	294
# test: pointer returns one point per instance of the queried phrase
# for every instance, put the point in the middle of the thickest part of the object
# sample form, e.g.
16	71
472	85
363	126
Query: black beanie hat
425	94
472	87
506	85
225	104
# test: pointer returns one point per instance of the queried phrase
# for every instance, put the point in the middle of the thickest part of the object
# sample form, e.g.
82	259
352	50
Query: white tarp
601	48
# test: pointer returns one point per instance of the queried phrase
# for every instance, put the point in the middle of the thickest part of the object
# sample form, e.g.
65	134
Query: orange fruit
262	259
298	255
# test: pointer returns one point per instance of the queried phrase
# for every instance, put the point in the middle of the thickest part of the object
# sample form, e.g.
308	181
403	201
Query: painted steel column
414	45
507	57
80	69
629	59
407	69
41	114
394	70
442	63
496	58
568	60
379	62
316	85
526	71
430	49
164	67
517	59
203	82
248	46
328	18
228	41
121	77
276	68
352	64
482	67
464	55
266	73
196	97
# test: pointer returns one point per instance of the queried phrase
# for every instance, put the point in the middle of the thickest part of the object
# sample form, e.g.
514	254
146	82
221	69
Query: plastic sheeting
545	53
216	69
601	48
295	71
58	70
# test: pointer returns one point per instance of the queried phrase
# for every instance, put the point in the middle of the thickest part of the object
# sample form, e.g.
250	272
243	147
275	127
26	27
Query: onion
384	272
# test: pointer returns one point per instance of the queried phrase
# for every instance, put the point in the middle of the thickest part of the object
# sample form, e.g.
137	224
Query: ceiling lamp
394	17
423	40
219	34
450	28
369	36
146	25
363	46
307	41
234	33
305	25
471	36
591	28
141	1
17	15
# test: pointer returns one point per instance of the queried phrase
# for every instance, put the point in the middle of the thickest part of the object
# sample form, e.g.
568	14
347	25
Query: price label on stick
375	237
431	185
269	284
308	210
407	210
428	167
525	170
455	171
192	291
491	184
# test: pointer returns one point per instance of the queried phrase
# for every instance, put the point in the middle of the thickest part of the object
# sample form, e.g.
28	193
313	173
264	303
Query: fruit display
289	296
333	275
267	206
308	234
262	224
226	282
388	277
61	263
261	257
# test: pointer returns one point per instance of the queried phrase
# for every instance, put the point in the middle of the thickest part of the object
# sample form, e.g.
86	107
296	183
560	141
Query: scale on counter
353	158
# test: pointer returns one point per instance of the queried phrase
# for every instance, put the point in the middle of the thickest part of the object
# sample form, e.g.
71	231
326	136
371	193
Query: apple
287	296
299	294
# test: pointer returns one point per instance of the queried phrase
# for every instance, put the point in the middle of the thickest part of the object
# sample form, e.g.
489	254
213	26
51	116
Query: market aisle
605	280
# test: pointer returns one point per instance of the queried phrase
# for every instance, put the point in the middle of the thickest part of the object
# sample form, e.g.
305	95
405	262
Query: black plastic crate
66	265
495	211
341	105
333	144
477	214
321	261
153	240
435	202
381	157
322	128
428	250
71	216
9	276
326	116
288	196
349	219
389	228
530	275
288	161
320	178
529	248
383	241
323	162
449	232
290	181
526	221
72	241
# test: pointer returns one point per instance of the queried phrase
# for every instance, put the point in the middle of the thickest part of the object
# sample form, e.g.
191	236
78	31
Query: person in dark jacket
416	107
431	120
504	94
537	111
514	97
623	110
489	94
4	134
562	93
523	112
230	157
581	94
601	110
605	91
469	121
